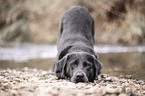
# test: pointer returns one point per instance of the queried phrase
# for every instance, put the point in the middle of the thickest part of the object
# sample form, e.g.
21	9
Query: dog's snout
80	75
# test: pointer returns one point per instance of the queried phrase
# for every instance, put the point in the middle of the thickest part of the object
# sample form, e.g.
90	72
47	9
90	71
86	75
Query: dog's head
78	67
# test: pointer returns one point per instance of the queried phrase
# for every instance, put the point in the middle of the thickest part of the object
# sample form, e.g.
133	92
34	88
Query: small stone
143	92
16	79
88	86
99	78
122	94
143	87
44	72
112	90
54	92
79	87
25	69
15	87
104	75
14	92
125	84
34	70
127	89
128	76
138	87
131	82
123	80
121	76
114	86
5	80
115	79
108	79
139	82
1	77
46	81
80	94
5	84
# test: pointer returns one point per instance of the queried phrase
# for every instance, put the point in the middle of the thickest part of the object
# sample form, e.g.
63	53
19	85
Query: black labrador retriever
76	59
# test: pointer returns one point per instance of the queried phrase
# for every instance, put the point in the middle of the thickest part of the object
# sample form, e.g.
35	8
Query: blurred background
116	21
29	31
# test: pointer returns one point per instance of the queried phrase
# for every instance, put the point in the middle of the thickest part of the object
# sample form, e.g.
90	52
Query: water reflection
131	63
44	64
24	52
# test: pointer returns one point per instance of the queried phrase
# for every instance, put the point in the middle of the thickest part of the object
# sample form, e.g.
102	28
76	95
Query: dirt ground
33	82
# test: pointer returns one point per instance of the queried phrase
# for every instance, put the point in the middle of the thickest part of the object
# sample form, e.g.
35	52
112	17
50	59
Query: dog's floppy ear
93	30
98	66
59	67
60	29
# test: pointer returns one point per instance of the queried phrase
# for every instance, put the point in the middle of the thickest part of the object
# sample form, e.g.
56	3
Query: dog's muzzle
79	76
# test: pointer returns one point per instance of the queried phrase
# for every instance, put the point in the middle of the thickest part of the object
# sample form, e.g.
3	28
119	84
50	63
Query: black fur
76	59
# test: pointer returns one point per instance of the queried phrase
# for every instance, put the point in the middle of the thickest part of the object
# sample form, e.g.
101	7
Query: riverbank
33	82
32	50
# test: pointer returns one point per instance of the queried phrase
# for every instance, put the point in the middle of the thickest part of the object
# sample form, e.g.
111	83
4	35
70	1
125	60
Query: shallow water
117	60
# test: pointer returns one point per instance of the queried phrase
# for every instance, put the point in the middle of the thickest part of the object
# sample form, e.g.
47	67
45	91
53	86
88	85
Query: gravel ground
33	82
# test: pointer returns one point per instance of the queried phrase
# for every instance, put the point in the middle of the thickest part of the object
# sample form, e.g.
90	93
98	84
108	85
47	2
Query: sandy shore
33	82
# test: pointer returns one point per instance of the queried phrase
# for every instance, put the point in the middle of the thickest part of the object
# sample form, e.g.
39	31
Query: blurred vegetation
116	21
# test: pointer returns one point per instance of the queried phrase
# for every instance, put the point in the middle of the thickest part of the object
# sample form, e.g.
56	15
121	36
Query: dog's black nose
80	75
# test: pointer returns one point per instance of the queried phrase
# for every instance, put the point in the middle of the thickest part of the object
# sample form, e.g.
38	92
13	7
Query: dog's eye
73	64
85	64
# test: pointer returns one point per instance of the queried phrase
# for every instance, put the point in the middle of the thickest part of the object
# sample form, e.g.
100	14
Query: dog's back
76	26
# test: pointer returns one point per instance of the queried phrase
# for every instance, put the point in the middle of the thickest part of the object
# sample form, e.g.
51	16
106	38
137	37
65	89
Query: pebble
99	78
100	91
35	82
1	77
88	86
104	75
17	79
131	82
143	92
108	79
122	94
111	90
143	87
14	92
123	80
25	69
81	94
128	76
